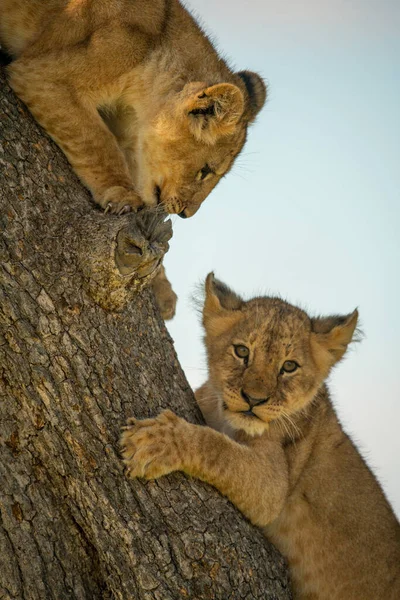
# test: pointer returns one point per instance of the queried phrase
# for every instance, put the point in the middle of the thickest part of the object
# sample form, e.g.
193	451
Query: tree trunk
80	351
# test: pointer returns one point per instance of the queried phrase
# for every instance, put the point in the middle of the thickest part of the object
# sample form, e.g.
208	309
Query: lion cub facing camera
275	448
135	95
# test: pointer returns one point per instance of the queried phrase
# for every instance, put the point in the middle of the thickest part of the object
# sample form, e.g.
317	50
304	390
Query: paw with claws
142	244
119	200
155	447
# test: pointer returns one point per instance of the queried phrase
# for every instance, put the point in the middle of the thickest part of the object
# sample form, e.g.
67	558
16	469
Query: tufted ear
221	306
256	93
215	111
333	334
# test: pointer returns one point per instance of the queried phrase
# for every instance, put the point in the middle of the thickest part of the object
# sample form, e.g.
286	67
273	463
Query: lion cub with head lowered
275	447
135	95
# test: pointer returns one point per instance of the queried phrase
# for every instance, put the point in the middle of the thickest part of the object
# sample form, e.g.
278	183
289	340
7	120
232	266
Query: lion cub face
190	143
267	358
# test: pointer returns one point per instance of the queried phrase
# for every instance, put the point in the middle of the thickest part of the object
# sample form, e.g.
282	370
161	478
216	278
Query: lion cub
275	447
135	95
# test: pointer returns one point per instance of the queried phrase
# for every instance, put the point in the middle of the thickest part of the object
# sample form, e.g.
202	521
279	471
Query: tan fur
135	95
165	295
287	465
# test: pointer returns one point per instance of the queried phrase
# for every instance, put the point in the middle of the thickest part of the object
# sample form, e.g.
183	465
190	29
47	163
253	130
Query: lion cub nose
253	401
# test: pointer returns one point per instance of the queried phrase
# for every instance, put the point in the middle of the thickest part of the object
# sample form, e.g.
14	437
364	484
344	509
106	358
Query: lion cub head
191	140
267	359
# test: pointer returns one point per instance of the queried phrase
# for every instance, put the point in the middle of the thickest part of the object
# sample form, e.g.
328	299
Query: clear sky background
311	209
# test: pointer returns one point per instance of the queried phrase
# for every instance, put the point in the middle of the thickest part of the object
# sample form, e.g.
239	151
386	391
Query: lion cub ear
215	111
221	306
256	93
332	335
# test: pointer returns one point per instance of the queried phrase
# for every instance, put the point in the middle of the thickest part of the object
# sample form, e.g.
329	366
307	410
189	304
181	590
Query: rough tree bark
80	352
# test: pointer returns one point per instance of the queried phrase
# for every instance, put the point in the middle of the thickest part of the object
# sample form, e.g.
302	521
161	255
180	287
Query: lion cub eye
289	366
242	351
204	173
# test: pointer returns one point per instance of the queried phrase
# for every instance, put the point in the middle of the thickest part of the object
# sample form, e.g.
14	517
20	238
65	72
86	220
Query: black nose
253	401
182	215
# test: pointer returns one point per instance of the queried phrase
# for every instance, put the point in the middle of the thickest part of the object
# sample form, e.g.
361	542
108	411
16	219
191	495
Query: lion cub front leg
71	118
254	476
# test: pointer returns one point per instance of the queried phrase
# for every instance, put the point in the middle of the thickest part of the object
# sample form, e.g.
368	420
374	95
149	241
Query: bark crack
79	353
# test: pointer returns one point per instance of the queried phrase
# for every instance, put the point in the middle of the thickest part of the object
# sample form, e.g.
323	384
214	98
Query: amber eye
242	351
204	172
289	366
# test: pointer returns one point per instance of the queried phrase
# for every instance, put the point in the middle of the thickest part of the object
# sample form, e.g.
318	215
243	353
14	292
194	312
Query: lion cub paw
154	447
142	244
120	200
165	295
167	304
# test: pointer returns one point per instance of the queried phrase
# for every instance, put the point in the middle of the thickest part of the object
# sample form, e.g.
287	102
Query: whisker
245	153
290	420
281	429
284	426
290	417
240	176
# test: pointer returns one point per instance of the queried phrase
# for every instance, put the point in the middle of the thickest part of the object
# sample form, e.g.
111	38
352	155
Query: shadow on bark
80	351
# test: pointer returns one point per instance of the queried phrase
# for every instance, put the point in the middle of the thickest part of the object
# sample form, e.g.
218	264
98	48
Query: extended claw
125	209
131	422
113	208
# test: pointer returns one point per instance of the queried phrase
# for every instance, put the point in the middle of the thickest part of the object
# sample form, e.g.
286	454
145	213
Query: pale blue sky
311	208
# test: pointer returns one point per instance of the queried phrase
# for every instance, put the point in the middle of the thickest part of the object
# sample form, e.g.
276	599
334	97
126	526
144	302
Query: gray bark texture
80	351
